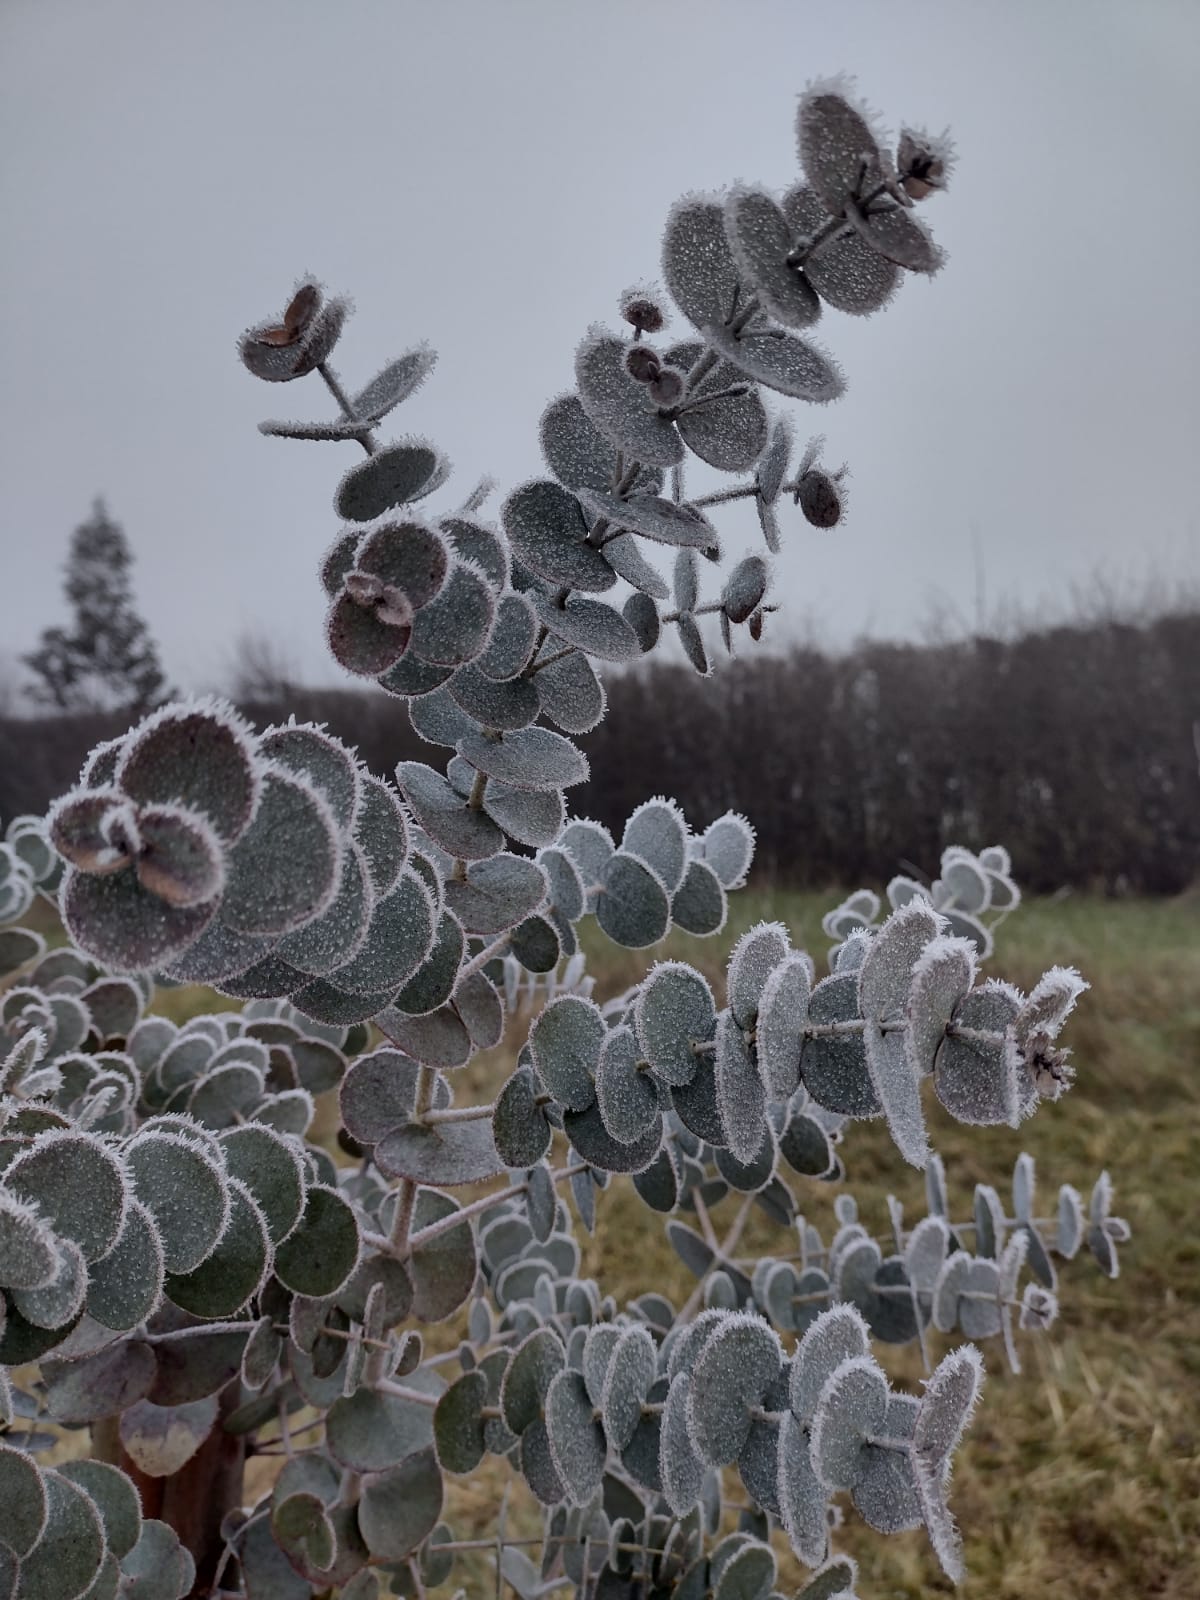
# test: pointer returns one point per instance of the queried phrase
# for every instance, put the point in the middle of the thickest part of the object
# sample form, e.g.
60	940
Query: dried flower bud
1039	1308
642	308
923	162
643	364
364	588
756	626
819	495
667	388
1048	1067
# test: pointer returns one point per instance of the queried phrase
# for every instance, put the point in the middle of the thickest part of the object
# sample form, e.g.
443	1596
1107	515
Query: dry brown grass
1080	1479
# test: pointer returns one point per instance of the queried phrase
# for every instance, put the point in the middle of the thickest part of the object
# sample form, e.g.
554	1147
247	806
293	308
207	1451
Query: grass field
1081	1477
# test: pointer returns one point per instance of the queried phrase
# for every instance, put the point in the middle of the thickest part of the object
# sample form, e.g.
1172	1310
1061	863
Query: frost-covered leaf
657	833
577	1442
633	907
975	1076
851	1410
234	1271
198	755
883	988
845	271
497	894
834	1066
513	640
619	406
628	1101
760	237
548	532
674	1012
78	1186
399	1508
449	1153
741	1099
699	905
321	1251
446	817
65	1561
698	264
592	626
570	693
456	625
285	869
782	1015
370	1430
185	1191
780	361
530	758
728	848
943	974
730	1377
663	521
945	1411
390	477
565	1042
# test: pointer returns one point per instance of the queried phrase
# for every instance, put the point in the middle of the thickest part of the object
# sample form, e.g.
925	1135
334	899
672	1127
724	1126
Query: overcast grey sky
489	174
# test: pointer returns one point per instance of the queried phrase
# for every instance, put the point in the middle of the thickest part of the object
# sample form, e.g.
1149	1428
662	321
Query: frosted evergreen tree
106	660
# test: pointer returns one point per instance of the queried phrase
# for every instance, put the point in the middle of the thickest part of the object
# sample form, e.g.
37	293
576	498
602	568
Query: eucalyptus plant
194	1267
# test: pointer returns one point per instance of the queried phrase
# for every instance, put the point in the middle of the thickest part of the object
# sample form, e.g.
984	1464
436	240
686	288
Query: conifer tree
106	660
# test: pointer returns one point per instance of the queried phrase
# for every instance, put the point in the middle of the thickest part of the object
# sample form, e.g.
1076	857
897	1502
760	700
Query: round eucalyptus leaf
448	1153
571	695
509	705
398	1509
698	265
804	1145
530	758
730	1377
748	1574
664	521
443	1271
25	1498
497	894
681	1469
439	719
781	361
837	1335
628	1102
592	626
628	1377
633	907
436	1038
628	562
535	944
445	816
519	1127
834	1066
458	1423
851	1410
370	1430
28	1248
391	477
234	1271
125	1287
845	271
322	1250
64	1562
184	1190
782	1019
976	1078
433	982
728	431
897	235
745	588
755	957
657	834
198	756
535	1363
741	1099
548	533
838	148
760	237
114	1497
576	452
619	405
121	922
699	905
728	845
285	868
456	625
641	614
565	1042
802	1500
577	1442
943	974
